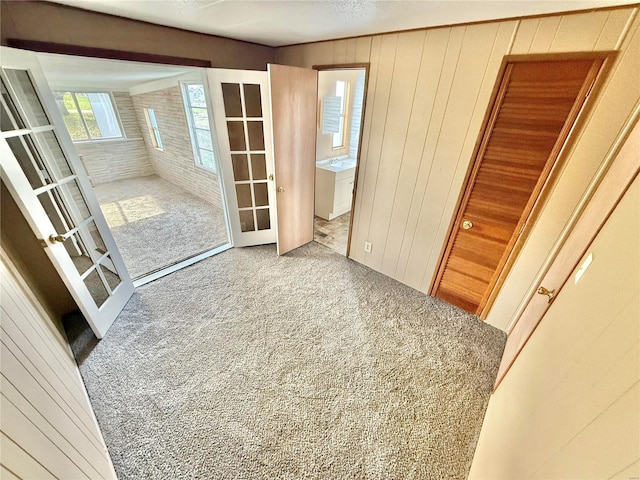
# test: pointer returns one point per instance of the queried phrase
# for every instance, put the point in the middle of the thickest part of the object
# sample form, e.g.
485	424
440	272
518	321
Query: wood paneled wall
48	429
427	95
568	408
51	22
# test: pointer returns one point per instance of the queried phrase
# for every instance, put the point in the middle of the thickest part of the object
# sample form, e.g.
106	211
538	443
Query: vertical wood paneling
474	56
350	56
363	50
545	34
431	64
583	29
340	51
613	29
48	427
443	92
401	100
526	33
375	135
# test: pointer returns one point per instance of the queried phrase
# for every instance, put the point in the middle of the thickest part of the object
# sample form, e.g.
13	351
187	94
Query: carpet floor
156	224
252	366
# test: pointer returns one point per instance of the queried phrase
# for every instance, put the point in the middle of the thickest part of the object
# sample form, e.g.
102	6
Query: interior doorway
341	99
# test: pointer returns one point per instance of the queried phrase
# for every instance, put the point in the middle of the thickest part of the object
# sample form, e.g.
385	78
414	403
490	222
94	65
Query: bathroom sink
336	165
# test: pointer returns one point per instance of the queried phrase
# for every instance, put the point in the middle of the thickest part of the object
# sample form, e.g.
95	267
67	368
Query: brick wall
111	160
175	163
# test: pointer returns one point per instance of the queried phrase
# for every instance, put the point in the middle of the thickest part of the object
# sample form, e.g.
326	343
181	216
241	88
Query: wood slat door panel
536	104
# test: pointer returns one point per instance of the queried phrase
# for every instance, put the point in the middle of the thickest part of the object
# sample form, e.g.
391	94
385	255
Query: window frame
342	119
195	146
154	130
89	138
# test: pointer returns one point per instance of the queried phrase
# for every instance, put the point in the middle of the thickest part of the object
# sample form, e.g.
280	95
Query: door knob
548	293
466	225
57	238
280	189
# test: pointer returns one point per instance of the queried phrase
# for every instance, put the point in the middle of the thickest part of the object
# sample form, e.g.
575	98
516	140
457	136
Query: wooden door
293	111
535	107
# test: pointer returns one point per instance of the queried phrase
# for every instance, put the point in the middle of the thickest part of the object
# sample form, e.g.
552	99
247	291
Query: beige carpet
309	366
156	224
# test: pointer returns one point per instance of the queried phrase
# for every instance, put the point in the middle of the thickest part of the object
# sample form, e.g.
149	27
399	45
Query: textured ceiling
282	22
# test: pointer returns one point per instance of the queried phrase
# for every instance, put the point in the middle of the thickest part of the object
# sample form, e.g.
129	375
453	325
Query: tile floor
333	234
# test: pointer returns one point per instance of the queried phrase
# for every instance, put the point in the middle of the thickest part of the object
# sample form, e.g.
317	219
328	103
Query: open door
47	180
294	94
266	127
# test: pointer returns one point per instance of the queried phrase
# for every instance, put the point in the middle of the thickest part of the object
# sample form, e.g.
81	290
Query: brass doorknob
548	293
57	238
280	189
466	225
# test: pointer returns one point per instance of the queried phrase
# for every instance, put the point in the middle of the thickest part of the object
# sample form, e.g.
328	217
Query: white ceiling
285	22
71	72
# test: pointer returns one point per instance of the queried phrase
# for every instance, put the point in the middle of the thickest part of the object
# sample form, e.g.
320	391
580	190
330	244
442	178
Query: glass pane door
51	190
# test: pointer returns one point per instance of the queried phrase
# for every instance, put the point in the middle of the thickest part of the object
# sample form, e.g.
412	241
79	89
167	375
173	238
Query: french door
45	177
266	127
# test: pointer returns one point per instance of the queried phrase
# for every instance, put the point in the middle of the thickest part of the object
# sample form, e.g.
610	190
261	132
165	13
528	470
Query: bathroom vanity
334	186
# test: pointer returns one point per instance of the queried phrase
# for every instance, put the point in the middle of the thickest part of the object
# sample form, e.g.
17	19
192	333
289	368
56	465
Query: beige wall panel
445	82
374	139
500	47
358	253
556	411
615	28
545	33
363	49
401	100
431	63
340	51
524	37
350	56
7	475
611	110
320	53
20	462
583	29
628	472
472	63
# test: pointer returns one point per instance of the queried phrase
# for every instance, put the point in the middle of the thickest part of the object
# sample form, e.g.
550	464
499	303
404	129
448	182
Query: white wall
427	94
570	405
48	429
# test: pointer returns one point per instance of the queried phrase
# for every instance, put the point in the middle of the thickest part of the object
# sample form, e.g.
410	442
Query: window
89	115
154	131
341	92
195	105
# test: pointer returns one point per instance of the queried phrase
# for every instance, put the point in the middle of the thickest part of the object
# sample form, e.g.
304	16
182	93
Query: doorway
341	98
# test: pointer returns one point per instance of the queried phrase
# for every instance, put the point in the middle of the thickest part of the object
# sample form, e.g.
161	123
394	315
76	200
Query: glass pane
53	155
243	193
87	113
109	273
262	216
261	195
236	136
10	119
96	288
200	118
207	159
259	166
93	239
256	135
78	253
27	97
71	116
231	96
252	100
59	217
104	114
196	95
27	156
204	139
240	167
72	197
246	221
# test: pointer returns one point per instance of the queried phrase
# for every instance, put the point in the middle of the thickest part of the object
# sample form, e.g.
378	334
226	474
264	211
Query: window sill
106	140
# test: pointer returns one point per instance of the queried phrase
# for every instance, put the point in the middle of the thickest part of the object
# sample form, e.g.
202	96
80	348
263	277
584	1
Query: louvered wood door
534	109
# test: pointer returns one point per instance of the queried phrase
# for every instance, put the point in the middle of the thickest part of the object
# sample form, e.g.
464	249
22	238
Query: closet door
536	105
